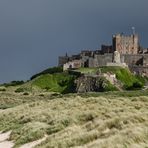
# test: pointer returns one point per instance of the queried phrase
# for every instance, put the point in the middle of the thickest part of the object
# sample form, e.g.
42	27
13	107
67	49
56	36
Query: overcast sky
33	33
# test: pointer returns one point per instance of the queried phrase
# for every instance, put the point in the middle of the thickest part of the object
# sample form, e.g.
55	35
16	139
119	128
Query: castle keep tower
126	44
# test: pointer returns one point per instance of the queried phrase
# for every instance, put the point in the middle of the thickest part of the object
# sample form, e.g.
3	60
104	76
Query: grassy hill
128	79
55	80
51	70
58	82
64	82
51	79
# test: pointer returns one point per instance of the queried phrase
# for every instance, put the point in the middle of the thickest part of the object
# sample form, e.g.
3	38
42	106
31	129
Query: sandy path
34	143
4	143
4	136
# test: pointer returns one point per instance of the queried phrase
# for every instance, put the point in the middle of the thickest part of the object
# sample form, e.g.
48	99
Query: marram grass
92	120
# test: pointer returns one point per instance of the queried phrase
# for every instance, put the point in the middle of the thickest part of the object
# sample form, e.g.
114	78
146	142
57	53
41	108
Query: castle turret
126	44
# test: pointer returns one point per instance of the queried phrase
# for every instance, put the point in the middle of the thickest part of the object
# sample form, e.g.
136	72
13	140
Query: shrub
47	88
54	129
18	90
25	94
2	89
55	94
41	95
135	85
110	87
66	122
13	83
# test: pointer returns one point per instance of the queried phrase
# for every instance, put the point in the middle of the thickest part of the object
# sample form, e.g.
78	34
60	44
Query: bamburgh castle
124	51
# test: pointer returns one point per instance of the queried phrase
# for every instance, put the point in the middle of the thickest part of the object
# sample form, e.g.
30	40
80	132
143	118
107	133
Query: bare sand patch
4	143
4	136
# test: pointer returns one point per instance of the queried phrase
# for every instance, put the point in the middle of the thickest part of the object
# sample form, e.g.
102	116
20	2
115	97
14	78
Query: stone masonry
131	54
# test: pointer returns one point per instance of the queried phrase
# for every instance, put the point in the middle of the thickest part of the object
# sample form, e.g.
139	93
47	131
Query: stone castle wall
142	70
63	60
102	60
132	59
137	59
127	46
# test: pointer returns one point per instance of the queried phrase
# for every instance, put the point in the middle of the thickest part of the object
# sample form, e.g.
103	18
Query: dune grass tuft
112	119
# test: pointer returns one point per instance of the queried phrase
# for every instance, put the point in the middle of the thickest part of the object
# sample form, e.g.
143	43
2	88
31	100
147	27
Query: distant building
87	53
72	65
107	49
125	49
126	44
63	60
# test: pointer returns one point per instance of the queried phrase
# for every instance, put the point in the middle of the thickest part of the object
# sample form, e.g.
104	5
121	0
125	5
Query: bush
136	85
41	95
54	129
18	90
13	83
75	73
66	122
25	94
2	89
109	87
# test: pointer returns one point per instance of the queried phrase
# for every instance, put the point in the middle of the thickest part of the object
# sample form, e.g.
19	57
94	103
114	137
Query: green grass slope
51	70
57	82
128	79
64	82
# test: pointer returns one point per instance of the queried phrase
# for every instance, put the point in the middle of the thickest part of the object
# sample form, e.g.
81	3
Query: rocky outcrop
91	84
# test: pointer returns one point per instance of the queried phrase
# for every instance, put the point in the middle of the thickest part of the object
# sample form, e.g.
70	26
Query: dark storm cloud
33	33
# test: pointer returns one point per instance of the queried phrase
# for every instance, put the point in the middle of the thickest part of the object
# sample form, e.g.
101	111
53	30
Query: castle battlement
127	46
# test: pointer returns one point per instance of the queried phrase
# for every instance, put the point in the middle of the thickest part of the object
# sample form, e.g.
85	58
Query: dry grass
75	121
